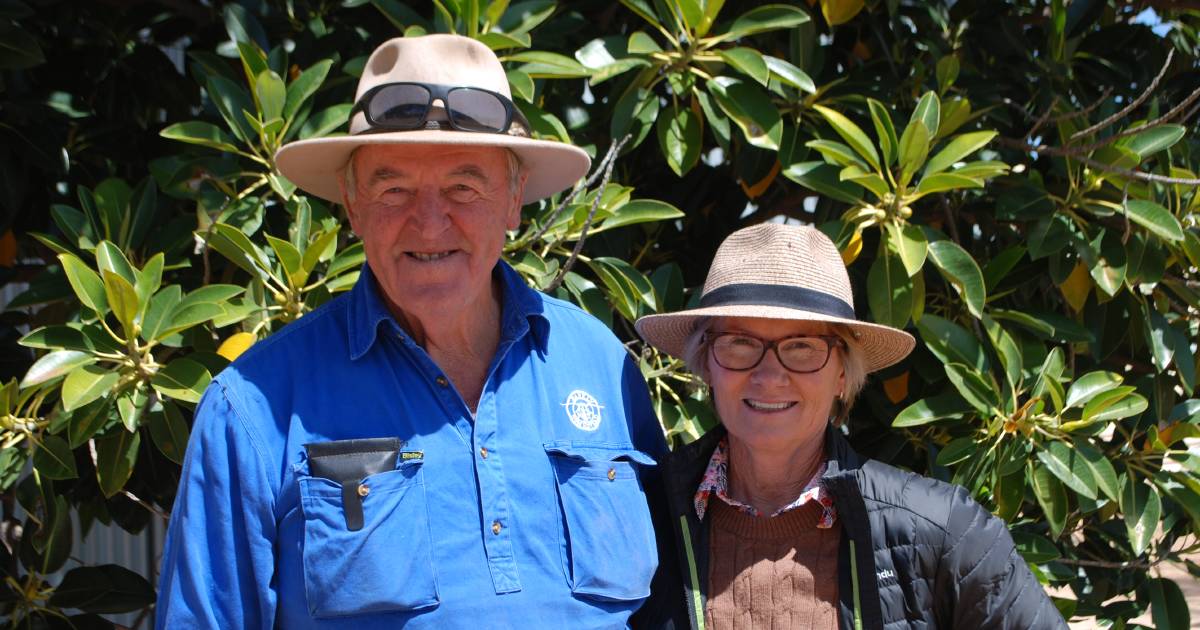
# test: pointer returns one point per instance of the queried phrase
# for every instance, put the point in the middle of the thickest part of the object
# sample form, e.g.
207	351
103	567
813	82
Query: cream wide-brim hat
777	271
314	164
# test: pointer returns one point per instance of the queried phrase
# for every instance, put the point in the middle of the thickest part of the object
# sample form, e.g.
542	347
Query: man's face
432	220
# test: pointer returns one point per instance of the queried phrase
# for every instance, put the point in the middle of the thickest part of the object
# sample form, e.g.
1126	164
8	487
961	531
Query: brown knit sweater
771	573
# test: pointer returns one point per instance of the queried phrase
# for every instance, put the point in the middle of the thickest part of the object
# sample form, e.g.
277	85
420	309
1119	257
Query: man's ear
514	213
341	179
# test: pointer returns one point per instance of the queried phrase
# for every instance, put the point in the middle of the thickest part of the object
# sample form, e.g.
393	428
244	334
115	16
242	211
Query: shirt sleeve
218	558
644	427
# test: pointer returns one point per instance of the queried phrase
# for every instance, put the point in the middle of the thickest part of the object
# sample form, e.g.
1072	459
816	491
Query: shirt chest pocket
383	566
610	549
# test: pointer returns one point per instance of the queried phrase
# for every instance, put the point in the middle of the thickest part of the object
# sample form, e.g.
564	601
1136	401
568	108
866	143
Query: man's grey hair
854	365
350	181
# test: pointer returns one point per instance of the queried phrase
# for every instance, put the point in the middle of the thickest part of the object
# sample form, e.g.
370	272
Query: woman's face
768	407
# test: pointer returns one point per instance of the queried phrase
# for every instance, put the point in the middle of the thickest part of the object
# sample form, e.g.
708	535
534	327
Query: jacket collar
521	312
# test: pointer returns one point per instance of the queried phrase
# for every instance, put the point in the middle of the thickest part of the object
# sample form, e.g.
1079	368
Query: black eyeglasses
740	352
406	106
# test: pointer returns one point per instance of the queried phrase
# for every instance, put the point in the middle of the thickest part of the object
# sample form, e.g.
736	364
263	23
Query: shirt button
612	474
441	380
483	452
496	527
363	490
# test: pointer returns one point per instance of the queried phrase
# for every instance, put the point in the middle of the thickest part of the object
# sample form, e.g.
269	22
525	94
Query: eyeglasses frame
831	342
440	92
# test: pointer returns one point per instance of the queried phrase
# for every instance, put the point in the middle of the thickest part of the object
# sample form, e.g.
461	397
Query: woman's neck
770	480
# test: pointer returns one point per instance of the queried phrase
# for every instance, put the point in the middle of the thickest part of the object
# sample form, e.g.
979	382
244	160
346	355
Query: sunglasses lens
476	110
400	106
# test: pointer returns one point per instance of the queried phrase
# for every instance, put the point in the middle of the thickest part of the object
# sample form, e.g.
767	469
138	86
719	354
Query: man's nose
430	214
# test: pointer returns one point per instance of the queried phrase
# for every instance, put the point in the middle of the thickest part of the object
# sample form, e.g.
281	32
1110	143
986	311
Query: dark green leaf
974	389
305	85
941	407
766	18
889	291
928	112
182	379
115	457
103	589
53	458
169	431
749	62
1155	218
790	74
85	384
957	149
951	343
1051	496
55	365
1153	140
1142	507
1090	384
86	283
751	109
885	131
680	140
326	121
201	133
960	270
1069	466
851	133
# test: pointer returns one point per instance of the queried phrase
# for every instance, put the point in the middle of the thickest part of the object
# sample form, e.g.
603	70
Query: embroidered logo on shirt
583	409
407	455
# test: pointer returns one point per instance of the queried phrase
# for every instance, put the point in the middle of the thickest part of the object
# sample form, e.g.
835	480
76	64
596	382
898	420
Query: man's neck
462	342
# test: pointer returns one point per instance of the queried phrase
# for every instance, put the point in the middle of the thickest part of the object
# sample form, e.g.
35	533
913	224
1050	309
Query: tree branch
1075	154
610	161
1131	106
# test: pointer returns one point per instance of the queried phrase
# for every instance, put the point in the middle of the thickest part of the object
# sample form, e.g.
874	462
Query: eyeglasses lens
476	110
400	106
798	354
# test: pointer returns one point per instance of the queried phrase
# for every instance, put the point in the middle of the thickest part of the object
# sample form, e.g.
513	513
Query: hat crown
777	254
439	59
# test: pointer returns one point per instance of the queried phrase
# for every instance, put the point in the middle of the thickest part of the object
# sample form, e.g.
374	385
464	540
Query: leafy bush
1013	182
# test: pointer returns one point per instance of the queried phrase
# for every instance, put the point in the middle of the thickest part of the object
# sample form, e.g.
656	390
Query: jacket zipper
854	587
692	575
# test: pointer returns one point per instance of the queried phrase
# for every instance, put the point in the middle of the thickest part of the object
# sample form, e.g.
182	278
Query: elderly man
442	446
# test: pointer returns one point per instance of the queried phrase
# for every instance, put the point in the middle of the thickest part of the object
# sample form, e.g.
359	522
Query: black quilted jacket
915	552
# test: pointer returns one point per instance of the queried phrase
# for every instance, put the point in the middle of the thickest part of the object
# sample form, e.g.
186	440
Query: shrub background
1013	182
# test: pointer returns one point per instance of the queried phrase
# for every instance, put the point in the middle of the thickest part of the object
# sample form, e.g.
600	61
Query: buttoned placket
493	495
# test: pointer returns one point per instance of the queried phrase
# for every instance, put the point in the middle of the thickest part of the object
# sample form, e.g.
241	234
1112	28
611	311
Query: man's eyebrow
383	173
471	171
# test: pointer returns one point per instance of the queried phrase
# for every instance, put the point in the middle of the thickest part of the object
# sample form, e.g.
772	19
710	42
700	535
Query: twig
1042	120
1108	168
1131	106
1086	110
133	497
603	168
1108	564
610	162
1157	122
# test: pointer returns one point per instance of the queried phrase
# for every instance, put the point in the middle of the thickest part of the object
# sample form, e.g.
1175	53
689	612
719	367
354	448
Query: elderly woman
778	523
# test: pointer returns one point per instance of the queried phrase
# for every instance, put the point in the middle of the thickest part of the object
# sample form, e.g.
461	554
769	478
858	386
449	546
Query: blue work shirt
529	513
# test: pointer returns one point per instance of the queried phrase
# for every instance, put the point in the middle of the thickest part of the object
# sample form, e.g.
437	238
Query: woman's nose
769	370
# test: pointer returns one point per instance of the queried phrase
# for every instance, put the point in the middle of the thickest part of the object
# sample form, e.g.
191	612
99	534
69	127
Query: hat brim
882	345
313	164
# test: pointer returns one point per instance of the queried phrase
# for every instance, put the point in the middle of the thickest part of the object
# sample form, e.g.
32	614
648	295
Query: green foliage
1015	187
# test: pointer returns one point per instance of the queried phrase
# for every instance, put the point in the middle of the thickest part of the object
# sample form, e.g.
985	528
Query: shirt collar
521	311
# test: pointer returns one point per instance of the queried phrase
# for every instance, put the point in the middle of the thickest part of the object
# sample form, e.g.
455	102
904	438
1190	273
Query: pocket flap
591	452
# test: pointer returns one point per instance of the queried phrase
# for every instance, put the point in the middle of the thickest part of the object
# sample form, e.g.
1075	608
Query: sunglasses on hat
406	106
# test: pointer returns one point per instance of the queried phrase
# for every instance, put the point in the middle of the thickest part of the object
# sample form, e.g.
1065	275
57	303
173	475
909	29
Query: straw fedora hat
778	271
451	60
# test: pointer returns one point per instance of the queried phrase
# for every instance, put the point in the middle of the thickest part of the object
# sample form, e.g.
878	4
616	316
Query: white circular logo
583	409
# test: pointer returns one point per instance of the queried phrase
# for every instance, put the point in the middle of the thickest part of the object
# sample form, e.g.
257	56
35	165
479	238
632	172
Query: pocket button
612	474
363	490
496	527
